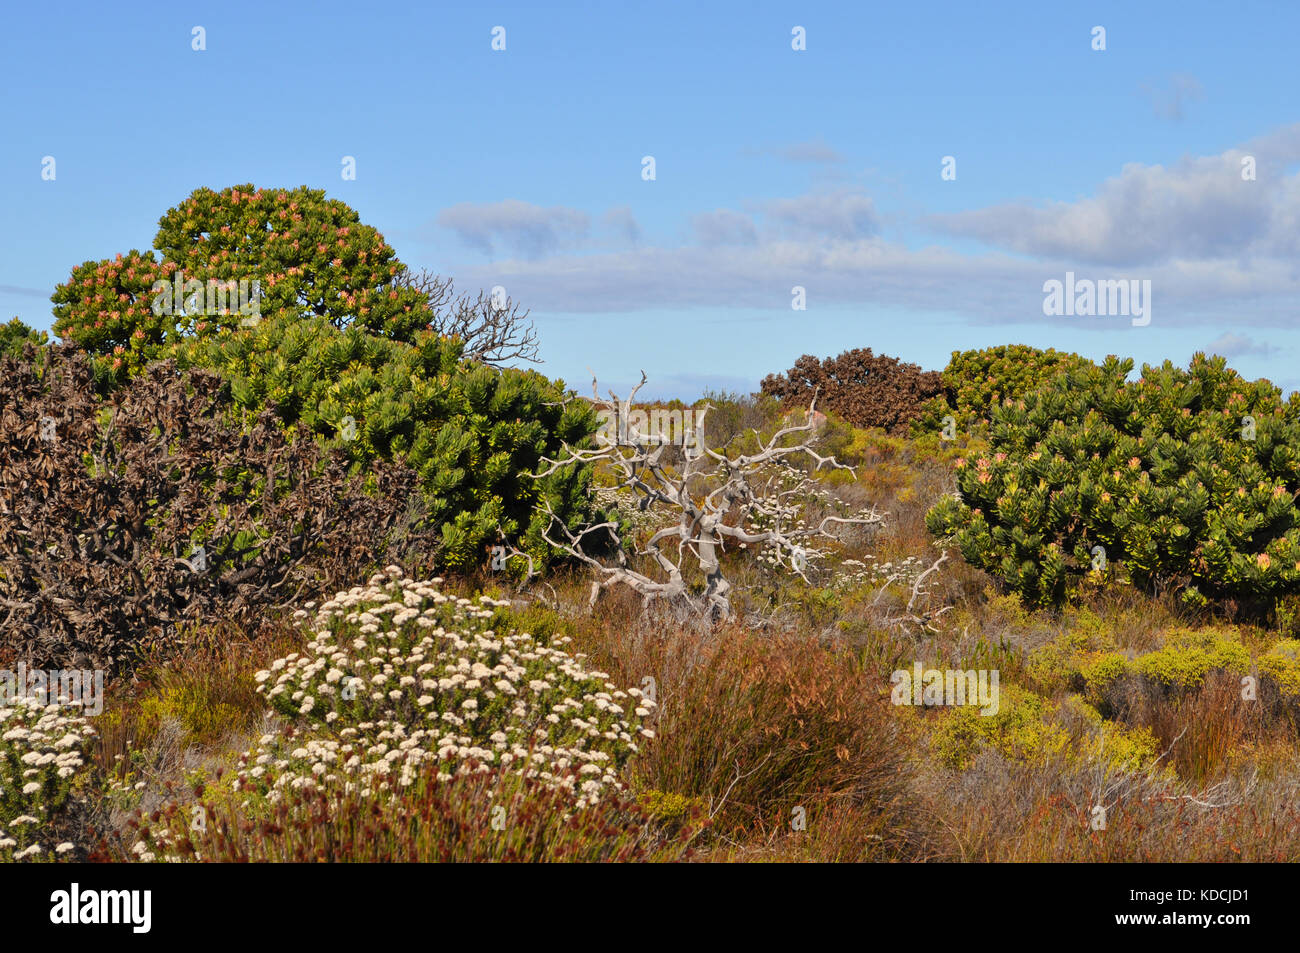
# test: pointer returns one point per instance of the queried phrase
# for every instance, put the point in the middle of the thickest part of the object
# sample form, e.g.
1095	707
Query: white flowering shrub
40	755
398	674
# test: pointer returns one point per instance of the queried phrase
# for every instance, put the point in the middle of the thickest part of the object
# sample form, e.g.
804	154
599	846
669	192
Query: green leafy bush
1031	729
15	334
1279	670
1107	679
472	433
279	252
106	309
975	382
311	255
1187	657
1184	478
1181	665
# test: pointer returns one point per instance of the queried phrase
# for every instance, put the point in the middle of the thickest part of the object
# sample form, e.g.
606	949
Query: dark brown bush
98	524
867	390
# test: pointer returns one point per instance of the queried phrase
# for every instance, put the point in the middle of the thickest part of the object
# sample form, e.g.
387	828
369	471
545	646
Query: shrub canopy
296	252
471	432
1184	478
867	390
976	381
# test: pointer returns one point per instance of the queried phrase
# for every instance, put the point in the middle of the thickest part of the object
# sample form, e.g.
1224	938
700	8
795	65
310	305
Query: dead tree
493	328
715	501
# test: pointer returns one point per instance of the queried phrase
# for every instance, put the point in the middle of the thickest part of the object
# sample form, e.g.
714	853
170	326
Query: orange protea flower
1263	561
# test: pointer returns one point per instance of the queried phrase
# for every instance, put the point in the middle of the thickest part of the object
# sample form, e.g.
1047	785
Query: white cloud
1170	101
623	224
527	229
843	214
1230	344
814	150
724	226
1200	208
1214	247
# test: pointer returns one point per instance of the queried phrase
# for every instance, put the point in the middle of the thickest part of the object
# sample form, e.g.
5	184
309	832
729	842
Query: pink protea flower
1263	561
1134	463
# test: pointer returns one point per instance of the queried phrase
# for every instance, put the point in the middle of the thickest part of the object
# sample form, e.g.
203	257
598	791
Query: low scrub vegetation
360	592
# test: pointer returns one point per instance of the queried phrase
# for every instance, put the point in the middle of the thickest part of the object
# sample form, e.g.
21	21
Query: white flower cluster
783	505
905	572
40	753
398	674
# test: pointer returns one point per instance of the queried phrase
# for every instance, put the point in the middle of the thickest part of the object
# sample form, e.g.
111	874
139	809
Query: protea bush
471	432
1183	479
976	381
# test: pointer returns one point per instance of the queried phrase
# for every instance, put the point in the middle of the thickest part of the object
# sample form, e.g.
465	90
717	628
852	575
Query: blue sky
775	168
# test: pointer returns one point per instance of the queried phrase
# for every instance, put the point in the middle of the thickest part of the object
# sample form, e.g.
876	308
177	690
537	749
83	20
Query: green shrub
1058	666
977	381
1033	730
1184	478
1182	663
15	334
226	260
471	432
1106	679
1279	668
1019	730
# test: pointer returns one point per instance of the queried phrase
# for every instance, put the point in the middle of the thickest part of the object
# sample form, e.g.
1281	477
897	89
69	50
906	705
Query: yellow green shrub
1032	729
1058	666
1115	745
1018	730
1280	665
204	719
1187	656
1103	676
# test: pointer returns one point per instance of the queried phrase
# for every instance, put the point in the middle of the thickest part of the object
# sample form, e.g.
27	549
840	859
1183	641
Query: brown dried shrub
103	503
867	390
